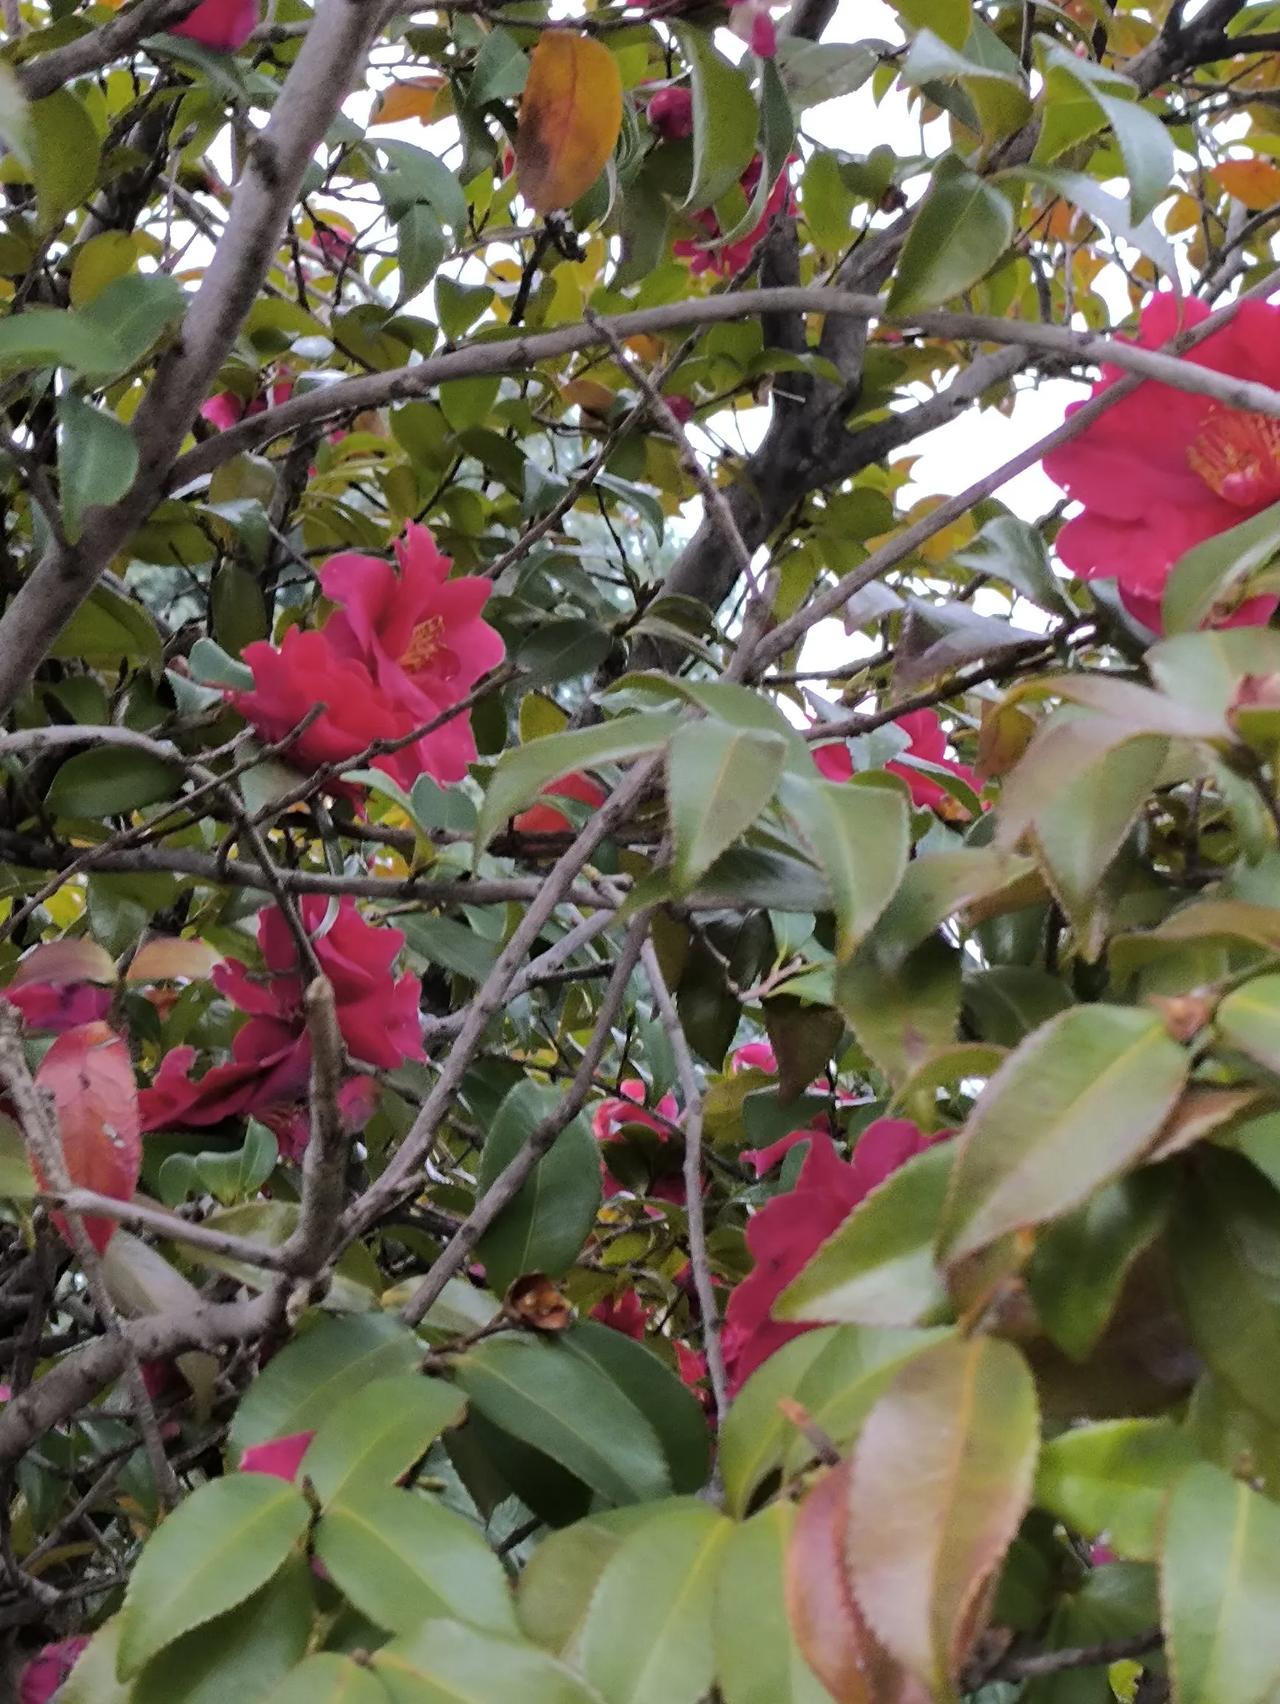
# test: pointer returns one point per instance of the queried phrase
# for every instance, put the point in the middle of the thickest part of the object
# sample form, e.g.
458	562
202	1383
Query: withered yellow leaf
1254	182
412	97
570	116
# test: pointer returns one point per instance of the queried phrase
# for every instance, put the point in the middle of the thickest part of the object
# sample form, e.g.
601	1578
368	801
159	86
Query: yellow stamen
425	642
1238	456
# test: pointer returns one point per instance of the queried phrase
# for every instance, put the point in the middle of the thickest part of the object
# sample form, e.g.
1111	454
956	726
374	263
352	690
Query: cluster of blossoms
670	113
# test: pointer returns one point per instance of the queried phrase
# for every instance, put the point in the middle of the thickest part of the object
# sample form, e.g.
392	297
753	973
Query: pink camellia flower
708	254
338	247
546	819
609	1121
670	113
1163	470
928	741
627	1313
401	648
61	985
225	409
755	1056
681	407
291	1125
224	25
788	1230
49	1669
750	22
280	1457
271	1054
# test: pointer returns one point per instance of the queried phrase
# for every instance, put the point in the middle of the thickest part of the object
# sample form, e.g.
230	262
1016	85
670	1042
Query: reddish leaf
56	962
828	1625
90	1076
941	1478
170	958
570	117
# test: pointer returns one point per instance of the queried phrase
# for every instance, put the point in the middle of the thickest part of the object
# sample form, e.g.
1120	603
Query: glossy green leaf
243	1655
444	1662
817	71
942	1475
401	1557
53	337
1211	570
998	92
1225	1243
132	313
757	1658
1101	1079
648	1635
559	1580
669	1406
860	832
1118	1601
724	120
1010	549
1248	1022
719	779
569	1410
836	1374
328	1678
65	155
375	1436
777	140
1111	1481
545	1225
1218	1568
878	1267
959	234
522	773
93	1680
111	782
225	1541
1144	143
97	460
332	1360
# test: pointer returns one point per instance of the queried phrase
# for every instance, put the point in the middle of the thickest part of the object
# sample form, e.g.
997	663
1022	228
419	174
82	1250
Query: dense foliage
639	1056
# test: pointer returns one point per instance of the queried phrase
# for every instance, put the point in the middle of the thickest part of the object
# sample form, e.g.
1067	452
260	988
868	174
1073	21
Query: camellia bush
639	1033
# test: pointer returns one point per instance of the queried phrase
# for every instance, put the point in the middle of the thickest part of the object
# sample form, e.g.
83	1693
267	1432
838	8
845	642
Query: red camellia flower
60	985
928	741
224	25
225	409
1162	470
627	1313
788	1230
400	649
670	112
279	1457
610	1120
49	1669
707	254
546	819
271	1054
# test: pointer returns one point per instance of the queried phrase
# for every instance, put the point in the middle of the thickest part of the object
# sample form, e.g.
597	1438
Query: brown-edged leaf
570	117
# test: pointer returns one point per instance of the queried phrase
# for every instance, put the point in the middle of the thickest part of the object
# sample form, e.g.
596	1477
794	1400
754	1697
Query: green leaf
568	1410
65	155
328	1678
563	650
375	1436
400	1557
1210	570
15	118
1248	1022
356	1284
17	1180
757	1658
52	337
216	1548
1218	1571
1101	1079
213	666
860	832
719	779
107	627
960	232
243	1654
443	1662
420	247
238	608
1145	144
1113	1480
97	460
648	1635
942	1476
132	313
777	138
878	1268
724	120
322	1367
242	1172
93	1680
418	176
544	1227
662	1398
817	71
1012	550
1080	1264
111	782
1086	193
1225	1245
1007	1001
998	93
521	774
1115	1602
560	1578
836	1374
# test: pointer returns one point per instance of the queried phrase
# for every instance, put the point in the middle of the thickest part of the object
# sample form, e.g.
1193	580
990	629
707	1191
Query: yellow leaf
570	117
413	97
1254	182
589	394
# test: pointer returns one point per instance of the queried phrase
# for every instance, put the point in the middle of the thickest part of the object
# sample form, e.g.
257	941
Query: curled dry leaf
570	116
89	1074
533	1300
828	1625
